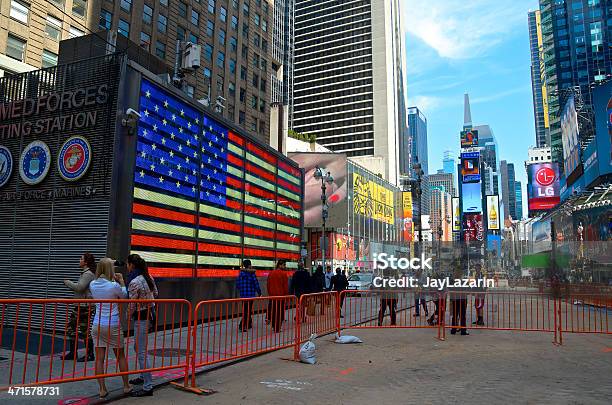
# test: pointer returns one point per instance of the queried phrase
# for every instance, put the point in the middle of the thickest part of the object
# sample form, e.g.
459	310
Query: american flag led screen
205	197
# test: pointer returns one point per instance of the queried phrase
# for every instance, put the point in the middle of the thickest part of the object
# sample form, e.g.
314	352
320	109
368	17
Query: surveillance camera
132	113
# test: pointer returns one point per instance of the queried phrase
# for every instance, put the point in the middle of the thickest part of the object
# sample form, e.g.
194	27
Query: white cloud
462	29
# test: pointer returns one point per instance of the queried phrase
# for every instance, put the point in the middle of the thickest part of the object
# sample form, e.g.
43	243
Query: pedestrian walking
106	328
81	314
141	287
479	306
329	274
300	285
458	310
248	287
339	284
420	297
388	299
318	286
278	285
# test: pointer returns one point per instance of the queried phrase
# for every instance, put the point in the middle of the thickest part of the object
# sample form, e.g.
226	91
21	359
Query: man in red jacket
278	285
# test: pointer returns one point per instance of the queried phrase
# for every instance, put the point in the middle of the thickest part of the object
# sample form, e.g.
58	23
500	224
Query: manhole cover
168	352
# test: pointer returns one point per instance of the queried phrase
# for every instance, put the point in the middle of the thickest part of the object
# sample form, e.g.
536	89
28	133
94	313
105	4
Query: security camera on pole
326	178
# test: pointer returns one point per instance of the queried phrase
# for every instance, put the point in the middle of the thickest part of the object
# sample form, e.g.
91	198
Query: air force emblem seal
6	165
34	163
74	158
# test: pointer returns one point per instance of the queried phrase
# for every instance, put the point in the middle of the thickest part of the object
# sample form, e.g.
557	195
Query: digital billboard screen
336	192
469	138
407	214
470	167
569	136
205	197
471	197
456	215
543	186
493	212
472	227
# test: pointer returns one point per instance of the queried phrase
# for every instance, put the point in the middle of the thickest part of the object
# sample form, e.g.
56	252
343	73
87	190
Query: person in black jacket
339	283
300	285
318	286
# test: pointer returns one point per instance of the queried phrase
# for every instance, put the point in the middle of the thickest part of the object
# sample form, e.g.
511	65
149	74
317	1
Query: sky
479	47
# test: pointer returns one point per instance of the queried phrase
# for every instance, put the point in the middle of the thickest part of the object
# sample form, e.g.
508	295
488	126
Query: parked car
360	281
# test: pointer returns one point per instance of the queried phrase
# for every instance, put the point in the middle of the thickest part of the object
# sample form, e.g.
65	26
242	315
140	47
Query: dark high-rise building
508	183
489	153
576	53
519	199
417	126
539	110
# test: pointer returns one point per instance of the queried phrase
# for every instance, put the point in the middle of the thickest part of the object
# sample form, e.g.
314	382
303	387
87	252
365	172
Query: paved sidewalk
412	367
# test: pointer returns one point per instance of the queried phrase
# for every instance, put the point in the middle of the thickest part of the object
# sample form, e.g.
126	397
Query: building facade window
145	40
223	14
220	59
20	11
241	117
163	3
49	59
162	23
180	33
207	73
222	37
15	48
208	51
53	27
210	28
193	38
234	22
74	32
232	89
243	73
182	9
257	19
242	95
211	6
232	66
147	15
195	17
233	44
126	5
245	9
160	50
124	28
190	90
79	8
220	84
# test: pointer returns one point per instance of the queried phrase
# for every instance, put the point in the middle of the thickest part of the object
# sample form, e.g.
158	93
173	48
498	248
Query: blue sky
476	46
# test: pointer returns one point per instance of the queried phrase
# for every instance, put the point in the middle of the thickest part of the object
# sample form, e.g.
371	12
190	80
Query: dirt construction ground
403	366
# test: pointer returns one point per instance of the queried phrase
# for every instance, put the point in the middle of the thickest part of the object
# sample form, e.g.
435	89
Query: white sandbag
307	351
347	339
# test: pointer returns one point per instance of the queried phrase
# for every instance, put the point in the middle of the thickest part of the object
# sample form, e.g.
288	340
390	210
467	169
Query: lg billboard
543	187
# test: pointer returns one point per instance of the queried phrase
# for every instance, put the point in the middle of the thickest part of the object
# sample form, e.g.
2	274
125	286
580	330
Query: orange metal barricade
318	313
584	313
493	310
229	329
387	309
35	333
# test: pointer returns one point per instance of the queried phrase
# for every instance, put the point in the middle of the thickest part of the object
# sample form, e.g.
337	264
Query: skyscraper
349	81
444	182
441	214
576	53
539	108
508	182
448	162
490	156
417	126
519	199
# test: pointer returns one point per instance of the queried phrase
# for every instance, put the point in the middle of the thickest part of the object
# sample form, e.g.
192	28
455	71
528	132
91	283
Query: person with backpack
141	287
82	313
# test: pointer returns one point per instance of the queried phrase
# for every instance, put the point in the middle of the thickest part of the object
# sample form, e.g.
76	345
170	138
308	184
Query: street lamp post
326	178
418	171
